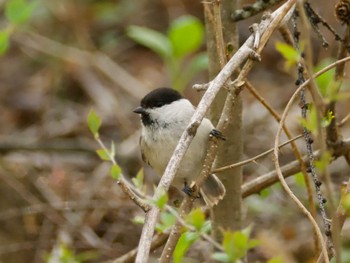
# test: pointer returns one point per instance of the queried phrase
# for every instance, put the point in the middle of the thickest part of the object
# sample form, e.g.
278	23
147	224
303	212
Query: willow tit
165	115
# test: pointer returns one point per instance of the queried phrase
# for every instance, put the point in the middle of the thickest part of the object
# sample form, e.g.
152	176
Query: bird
165	114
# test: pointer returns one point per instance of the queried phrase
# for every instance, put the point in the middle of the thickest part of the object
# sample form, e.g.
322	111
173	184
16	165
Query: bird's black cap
160	97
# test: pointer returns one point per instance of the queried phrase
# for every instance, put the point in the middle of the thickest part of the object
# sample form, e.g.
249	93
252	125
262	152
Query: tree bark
227	214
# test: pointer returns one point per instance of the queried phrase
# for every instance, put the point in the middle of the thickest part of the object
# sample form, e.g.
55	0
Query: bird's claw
190	190
217	134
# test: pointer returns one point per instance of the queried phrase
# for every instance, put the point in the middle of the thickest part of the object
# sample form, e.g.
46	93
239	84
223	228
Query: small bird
165	115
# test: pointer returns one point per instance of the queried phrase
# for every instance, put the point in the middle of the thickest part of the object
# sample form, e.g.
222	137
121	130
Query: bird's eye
159	104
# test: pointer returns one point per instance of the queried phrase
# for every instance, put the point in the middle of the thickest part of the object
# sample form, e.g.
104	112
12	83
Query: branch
251	10
253	159
258	184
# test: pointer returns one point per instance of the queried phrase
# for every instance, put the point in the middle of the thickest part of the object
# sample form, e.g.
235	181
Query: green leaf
196	218
207	227
116	171
184	243
197	63
323	81
275	260
236	244
221	257
139	220
152	39
326	120
229	245
103	154
311	122
265	193
186	35
291	55
138	179
299	179
94	122
4	41
19	11
323	162
162	200
345	202
167	220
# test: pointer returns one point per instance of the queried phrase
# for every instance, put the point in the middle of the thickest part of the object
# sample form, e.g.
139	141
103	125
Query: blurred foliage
66	255
184	37
289	53
236	245
184	243
195	219
167	220
17	12
94	123
311	121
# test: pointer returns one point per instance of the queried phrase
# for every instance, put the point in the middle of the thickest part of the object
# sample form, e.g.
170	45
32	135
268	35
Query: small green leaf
299	179
275	260
311	122
345	202
323	162
207	227
198	63
138	179
4	41
323	81
184	243
265	193
94	122
326	120
291	55
236	244
116	171
152	39
186	35
167	220
196	218
229	245
221	257
139	220
162	200
19	11
103	154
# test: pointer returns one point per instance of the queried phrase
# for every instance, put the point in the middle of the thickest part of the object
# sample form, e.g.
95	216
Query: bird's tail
212	190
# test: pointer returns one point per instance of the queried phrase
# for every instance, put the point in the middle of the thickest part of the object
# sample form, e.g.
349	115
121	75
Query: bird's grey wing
144	148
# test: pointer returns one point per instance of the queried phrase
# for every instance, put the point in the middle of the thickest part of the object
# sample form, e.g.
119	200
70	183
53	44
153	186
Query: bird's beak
139	110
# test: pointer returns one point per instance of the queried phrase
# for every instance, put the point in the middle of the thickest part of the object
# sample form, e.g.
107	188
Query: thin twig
276	155
253	159
128	189
318	100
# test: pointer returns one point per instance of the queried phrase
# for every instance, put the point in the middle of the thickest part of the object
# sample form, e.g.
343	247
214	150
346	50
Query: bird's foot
190	190
217	134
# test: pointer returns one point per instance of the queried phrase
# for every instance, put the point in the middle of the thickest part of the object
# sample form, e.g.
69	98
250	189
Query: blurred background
76	55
